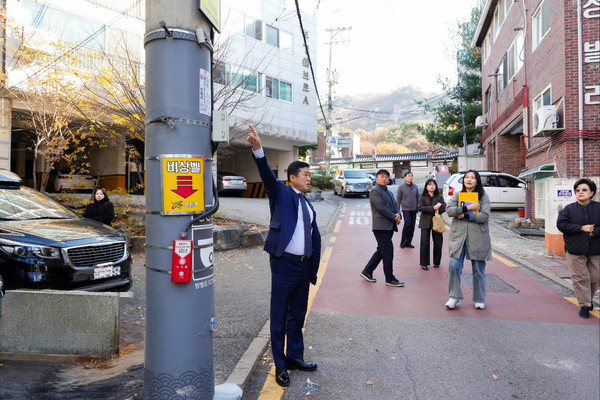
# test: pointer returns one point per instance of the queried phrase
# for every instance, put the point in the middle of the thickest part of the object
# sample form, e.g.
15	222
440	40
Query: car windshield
355	174
25	204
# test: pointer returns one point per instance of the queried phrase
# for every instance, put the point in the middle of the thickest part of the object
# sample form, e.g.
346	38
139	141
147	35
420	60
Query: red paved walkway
425	292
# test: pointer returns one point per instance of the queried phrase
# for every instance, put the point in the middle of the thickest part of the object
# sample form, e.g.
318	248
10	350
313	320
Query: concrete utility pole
331	80
179	201
462	109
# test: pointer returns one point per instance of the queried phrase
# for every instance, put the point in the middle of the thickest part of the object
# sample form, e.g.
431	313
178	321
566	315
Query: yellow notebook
466	198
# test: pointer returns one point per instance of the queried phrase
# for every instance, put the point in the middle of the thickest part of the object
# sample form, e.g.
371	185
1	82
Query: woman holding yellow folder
469	237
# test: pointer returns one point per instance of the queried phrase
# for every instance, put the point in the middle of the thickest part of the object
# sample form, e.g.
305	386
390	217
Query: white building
261	51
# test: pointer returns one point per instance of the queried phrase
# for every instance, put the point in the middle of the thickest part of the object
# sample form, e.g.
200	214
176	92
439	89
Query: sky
393	43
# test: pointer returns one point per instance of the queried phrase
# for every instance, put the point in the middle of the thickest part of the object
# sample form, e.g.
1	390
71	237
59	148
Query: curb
246	365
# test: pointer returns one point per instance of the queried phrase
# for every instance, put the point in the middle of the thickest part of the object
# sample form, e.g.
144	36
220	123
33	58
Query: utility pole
179	199
331	80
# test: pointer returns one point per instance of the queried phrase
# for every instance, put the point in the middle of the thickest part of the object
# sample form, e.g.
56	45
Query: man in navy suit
294	246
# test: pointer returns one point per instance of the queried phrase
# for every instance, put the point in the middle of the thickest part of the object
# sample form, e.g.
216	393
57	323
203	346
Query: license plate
106	272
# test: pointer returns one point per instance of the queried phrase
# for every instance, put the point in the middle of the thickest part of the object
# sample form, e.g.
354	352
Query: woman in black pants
430	202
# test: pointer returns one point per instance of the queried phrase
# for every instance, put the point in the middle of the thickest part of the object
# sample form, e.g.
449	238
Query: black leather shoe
281	377
410	246
584	312
300	364
402	245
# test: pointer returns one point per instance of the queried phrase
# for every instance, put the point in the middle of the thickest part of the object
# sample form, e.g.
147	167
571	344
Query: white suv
504	190
351	181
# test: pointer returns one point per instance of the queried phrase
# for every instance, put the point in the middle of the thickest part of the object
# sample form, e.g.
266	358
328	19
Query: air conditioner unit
480	121
545	121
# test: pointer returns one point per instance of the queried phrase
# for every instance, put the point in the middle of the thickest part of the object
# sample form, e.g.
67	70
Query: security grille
360	185
97	254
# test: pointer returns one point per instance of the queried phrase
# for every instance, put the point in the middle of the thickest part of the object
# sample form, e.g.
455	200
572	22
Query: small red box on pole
181	267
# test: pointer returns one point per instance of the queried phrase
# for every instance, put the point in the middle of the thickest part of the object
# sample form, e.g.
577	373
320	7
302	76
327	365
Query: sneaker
479	306
395	283
584	312
368	277
451	303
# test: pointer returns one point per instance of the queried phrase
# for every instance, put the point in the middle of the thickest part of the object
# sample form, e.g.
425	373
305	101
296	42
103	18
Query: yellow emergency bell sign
182	184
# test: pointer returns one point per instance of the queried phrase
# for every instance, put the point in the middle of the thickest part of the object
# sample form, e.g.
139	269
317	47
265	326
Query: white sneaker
451	303
479	306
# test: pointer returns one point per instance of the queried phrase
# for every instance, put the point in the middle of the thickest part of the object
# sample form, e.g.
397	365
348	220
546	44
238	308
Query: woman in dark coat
430	202
101	209
580	224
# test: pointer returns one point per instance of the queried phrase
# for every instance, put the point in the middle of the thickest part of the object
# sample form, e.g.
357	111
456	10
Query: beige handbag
439	225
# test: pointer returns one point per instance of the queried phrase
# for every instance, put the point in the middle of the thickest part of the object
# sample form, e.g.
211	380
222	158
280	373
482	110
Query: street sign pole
179	201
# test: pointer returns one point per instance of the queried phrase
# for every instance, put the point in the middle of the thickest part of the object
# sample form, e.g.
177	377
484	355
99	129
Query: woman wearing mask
470	238
101	209
430	202
580	224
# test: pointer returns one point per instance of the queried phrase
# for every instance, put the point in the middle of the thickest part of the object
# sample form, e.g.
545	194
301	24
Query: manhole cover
492	284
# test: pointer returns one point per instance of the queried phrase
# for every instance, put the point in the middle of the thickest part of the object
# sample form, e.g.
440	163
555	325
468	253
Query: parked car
65	182
504	190
351	181
230	183
45	245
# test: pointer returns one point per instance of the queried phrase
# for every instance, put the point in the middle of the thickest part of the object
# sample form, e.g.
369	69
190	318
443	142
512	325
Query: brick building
541	95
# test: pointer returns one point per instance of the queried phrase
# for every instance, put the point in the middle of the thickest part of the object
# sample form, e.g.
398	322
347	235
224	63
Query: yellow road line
271	390
573	300
332	239
504	260
337	226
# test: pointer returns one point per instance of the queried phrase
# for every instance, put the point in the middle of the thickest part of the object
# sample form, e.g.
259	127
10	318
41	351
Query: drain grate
492	284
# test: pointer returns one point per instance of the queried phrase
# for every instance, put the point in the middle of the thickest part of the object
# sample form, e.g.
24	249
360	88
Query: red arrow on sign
184	187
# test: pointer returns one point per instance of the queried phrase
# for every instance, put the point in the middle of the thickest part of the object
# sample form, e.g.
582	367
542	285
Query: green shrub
322	182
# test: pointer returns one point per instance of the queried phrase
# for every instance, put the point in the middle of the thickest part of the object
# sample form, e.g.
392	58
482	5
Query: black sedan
45	245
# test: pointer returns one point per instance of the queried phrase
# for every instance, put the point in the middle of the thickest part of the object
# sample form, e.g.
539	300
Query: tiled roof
438	154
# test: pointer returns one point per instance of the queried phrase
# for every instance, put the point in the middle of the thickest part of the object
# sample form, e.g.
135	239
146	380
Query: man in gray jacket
386	217
408	199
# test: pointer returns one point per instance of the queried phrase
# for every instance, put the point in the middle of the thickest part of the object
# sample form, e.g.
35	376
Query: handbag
439	225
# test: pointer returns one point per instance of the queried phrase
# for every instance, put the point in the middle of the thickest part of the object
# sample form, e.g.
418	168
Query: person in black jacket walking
101	209
580	224
430	201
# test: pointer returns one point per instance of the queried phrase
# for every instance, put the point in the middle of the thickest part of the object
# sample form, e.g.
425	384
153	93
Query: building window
488	99
243	78
254	28
501	78
515	56
541	22
272	87
285	41
544	99
285	91
487	45
272	35
64	26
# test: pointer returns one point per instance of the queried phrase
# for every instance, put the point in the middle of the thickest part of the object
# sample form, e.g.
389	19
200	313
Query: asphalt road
372	341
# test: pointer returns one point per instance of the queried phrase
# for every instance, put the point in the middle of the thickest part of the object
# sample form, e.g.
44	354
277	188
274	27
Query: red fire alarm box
181	268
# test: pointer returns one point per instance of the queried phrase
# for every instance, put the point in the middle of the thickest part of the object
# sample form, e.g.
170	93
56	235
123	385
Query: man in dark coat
294	245
386	218
407	198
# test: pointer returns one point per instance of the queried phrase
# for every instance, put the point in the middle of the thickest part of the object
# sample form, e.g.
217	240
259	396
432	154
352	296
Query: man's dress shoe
300	364
281	377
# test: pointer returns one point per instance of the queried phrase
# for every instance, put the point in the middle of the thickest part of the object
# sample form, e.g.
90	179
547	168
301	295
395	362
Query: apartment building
541	98
263	77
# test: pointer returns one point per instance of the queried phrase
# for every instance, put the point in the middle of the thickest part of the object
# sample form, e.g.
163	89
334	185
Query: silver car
230	183
504	190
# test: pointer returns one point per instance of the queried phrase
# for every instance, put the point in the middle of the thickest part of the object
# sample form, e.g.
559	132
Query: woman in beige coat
470	238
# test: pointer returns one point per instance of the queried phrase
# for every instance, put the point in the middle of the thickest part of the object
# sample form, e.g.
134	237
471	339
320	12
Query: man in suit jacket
295	252
386	217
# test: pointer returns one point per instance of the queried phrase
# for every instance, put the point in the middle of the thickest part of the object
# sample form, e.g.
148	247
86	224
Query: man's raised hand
253	138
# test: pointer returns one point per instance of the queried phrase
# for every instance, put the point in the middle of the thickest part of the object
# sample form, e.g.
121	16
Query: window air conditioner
545	121
480	121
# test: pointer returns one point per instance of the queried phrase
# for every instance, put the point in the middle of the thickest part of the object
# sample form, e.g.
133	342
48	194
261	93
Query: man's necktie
307	226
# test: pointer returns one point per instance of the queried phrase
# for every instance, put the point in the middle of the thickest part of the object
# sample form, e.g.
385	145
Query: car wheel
343	192
334	191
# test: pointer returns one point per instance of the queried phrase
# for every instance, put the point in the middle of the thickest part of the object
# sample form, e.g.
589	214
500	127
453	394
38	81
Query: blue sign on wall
564	193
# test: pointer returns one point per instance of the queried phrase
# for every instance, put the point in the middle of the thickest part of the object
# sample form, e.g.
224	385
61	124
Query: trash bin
521	213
